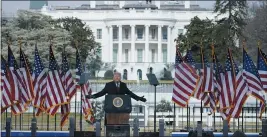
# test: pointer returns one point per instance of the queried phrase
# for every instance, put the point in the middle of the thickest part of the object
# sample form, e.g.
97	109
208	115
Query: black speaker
148	134
239	134
84	134
118	130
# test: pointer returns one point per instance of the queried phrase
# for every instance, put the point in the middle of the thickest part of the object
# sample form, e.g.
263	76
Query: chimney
122	3
157	3
187	4
92	4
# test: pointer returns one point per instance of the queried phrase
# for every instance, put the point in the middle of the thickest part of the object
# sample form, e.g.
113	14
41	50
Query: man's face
116	77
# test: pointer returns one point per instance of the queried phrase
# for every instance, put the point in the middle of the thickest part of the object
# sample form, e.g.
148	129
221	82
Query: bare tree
256	29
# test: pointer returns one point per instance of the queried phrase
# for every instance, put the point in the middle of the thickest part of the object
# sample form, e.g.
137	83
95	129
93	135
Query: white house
135	36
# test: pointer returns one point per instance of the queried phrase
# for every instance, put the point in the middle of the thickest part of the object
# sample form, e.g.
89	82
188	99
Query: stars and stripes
78	67
262	69
218	76
252	78
25	85
39	81
55	92
12	76
185	82
229	85
241	93
70	89
86	103
5	87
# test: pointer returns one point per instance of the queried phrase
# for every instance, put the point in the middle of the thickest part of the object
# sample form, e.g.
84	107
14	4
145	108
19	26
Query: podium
118	109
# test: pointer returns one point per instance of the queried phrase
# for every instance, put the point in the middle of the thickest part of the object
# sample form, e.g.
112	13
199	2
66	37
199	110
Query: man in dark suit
116	87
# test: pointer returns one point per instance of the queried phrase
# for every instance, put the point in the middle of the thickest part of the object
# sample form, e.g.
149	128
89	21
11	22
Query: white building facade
135	37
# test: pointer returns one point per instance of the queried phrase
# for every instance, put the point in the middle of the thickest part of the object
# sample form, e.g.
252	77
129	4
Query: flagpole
256	115
174	116
201	107
20	115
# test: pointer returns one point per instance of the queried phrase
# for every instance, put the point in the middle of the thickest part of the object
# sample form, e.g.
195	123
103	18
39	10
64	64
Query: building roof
37	4
140	6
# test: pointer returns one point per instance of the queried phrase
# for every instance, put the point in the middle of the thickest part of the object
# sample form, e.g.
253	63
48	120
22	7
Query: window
99	53
115	55
126	55
164	55
165	35
99	33
150	70
180	31
153	54
126	30
139	74
153	33
125	74
139	55
115	33
139	33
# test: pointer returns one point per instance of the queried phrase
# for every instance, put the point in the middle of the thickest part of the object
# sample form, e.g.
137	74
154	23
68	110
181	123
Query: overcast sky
13	6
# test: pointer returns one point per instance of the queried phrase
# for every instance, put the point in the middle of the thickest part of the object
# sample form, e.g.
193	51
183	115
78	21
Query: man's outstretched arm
134	96
99	94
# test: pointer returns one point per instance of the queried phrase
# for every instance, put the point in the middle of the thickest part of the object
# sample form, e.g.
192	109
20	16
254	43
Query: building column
120	44
147	43
146	115
169	44
132	43
110	43
159	43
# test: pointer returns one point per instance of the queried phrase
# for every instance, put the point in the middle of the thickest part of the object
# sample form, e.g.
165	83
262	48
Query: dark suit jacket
111	89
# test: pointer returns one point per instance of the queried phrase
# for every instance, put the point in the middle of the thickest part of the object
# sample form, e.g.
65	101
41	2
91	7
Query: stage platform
66	134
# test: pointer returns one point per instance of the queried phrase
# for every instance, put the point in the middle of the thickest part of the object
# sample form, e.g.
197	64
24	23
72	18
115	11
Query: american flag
12	76
185	82
70	89
207	73
203	96
252	78
20	100
26	85
241	93
25	68
188	58
85	90
55	92
198	91
218	75
86	103
78	66
262	69
208	83
5	87
39	81
229	85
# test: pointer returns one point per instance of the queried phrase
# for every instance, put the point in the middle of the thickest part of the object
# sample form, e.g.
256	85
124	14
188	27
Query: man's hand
89	96
142	99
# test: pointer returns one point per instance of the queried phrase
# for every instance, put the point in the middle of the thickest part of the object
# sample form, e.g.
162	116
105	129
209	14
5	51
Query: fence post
136	127
72	126
199	129
225	128
33	127
8	127
264	127
98	129
161	128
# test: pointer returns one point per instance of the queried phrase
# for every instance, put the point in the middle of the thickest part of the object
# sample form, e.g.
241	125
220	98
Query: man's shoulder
108	83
